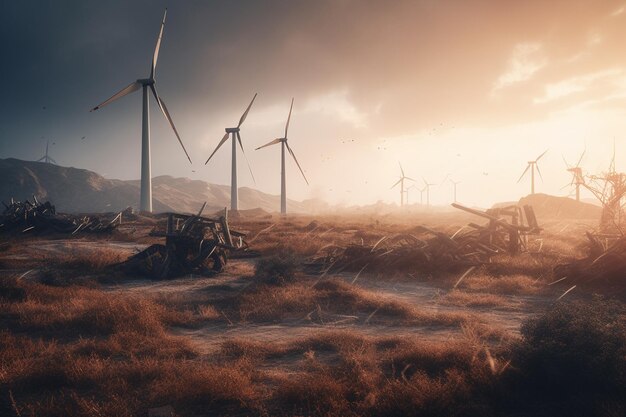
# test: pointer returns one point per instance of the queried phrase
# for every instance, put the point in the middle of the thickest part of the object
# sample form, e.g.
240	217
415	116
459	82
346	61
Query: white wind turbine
532	165
145	202
283	178
401	182
234	132
47	158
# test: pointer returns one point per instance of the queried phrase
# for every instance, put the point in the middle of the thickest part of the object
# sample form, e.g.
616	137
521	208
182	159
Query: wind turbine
145	202
427	186
454	184
234	132
46	158
401	182
532	165
577	174
283	176
422	195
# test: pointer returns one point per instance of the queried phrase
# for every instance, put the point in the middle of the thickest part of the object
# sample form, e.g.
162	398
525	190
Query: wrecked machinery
506	232
193	245
37	217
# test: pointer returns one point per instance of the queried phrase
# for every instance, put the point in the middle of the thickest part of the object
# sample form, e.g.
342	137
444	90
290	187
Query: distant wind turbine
427	186
46	158
422	195
577	174
532	165
401	182
145	202
283	176
234	132
454	184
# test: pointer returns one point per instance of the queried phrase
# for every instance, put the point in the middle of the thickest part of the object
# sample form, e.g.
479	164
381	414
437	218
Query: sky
469	90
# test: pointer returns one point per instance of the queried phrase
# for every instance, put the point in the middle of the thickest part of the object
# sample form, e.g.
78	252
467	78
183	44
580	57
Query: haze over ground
466	89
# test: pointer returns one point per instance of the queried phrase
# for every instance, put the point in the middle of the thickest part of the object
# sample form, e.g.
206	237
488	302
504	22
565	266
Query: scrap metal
193	245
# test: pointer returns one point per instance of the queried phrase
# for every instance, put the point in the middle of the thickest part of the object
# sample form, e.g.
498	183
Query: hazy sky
473	89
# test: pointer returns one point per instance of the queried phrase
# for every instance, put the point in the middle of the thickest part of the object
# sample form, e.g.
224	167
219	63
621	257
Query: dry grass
482	300
508	284
81	351
329	300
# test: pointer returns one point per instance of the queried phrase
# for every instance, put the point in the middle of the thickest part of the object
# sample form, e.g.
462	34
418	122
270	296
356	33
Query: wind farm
430	221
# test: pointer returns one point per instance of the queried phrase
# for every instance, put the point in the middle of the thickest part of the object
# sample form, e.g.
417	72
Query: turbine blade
444	180
581	158
288	118
297	163
245	114
398	182
409	178
539	157
565	161
246	158
523	173
539	171
166	113
130	88
224	139
41	159
53	161
273	142
155	57
401	170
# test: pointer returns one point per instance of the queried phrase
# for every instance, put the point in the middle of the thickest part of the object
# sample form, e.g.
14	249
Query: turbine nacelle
232	129
146	81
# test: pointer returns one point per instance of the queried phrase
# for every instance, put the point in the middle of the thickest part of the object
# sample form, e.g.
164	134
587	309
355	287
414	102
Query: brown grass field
268	337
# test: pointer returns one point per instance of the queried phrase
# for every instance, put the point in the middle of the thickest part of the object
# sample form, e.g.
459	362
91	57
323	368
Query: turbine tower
145	202
283	178
422	195
532	165
577	175
46	158
236	137
401	182
427	186
407	193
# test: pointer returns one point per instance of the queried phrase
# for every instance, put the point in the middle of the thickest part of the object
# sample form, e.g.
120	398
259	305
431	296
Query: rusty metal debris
193	245
36	217
428	250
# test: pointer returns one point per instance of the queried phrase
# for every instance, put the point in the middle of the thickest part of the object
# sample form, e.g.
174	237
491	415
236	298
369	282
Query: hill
76	190
552	207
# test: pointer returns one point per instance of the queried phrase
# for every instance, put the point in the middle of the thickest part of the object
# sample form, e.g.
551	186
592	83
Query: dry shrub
574	357
277	269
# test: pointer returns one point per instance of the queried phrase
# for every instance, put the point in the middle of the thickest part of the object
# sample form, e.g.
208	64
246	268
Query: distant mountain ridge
76	190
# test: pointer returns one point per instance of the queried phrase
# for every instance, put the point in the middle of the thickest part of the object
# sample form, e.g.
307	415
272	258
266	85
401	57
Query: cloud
524	62
560	89
338	105
618	11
